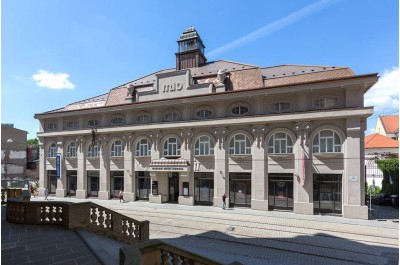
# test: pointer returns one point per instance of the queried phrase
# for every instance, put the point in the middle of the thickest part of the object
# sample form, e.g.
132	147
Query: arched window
240	145
71	150
240	110
143	148
172	115
280	143
143	118
204	113
52	152
93	150
118	120
327	141
204	146
117	148
93	123
172	147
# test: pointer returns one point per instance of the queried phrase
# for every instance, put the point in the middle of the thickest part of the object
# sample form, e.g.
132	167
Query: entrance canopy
169	165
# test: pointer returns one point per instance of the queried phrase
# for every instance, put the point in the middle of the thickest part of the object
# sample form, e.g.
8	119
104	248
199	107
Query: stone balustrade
10	193
86	215
156	252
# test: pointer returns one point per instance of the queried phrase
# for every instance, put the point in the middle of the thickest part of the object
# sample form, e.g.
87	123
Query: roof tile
377	140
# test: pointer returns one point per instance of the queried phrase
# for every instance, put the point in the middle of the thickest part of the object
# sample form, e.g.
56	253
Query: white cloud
384	95
52	80
272	27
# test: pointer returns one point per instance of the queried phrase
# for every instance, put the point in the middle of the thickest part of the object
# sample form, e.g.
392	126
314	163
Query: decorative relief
155	136
80	141
221	134
186	135
128	139
259	131
303	129
103	138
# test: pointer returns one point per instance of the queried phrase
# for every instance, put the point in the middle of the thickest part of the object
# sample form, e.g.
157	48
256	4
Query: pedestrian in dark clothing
223	201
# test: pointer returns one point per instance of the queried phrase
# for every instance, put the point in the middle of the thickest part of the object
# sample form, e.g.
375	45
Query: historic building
281	137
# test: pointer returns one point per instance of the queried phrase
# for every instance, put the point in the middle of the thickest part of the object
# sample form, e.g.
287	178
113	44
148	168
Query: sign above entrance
58	166
169	165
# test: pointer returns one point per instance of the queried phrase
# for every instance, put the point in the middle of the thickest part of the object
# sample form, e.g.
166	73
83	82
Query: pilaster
186	136
129	170
259	179
104	192
221	174
42	166
62	182
81	191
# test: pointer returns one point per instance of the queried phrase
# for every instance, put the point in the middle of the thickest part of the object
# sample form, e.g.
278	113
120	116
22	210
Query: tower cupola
190	50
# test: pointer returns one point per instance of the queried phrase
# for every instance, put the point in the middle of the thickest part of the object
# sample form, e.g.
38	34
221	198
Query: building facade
283	137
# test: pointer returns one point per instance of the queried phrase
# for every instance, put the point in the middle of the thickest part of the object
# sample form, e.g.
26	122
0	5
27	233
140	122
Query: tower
190	50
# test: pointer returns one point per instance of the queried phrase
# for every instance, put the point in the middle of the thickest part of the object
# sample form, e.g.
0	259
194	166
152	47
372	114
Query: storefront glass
51	181
240	189
280	191
204	188
143	185
71	182
93	183
117	183
327	193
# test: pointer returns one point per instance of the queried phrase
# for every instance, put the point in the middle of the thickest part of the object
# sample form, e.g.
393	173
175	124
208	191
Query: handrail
157	252
86	215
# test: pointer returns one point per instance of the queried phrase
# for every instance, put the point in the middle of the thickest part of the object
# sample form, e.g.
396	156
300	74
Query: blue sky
87	47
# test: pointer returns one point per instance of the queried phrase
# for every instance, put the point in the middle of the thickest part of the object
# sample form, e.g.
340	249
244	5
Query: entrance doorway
71	182
93	183
203	188
280	191
173	186
117	183
51	181
143	185
240	189
327	193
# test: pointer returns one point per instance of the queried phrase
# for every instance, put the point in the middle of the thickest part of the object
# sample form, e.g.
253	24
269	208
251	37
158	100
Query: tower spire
190	50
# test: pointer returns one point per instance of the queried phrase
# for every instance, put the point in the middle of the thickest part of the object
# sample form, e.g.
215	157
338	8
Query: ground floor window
327	192
71	182
280	191
204	188
240	189
93	182
51	181
117	183
143	185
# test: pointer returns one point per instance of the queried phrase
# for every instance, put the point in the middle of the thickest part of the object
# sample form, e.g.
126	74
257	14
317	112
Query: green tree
390	169
34	142
373	190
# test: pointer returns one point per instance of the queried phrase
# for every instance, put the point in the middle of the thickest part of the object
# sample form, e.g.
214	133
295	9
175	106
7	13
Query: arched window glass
240	145
172	147
172	115
204	113
280	143
143	118
117	148
93	150
52	152
143	148
71	150
327	141
117	120
93	123
240	110
204	146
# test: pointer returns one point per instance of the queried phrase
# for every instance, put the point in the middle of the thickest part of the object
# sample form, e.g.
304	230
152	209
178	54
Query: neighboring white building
288	136
388	126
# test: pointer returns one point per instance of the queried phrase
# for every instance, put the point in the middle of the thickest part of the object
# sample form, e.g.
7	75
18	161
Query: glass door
327	193
173	186
117	183
280	191
240	189
93	183
51	181
143	185
71	182
204	189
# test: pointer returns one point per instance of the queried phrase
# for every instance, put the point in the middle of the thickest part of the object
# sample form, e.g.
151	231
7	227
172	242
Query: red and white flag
303	170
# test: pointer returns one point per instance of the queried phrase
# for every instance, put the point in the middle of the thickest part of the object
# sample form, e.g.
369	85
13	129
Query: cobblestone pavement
41	245
258	237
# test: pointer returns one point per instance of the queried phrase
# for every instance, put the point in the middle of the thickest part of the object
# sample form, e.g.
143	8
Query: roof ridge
86	99
305	65
308	73
252	65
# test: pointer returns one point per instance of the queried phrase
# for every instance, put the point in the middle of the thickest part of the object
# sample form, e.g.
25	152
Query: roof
377	140
390	123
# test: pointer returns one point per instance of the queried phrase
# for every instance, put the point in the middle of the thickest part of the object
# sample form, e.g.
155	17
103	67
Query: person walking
46	193
32	191
223	201
121	196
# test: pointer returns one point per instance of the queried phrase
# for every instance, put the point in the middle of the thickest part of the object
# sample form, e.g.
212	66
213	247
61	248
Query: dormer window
240	109
280	106
172	115
52	126
93	123
143	118
204	113
325	102
119	120
71	125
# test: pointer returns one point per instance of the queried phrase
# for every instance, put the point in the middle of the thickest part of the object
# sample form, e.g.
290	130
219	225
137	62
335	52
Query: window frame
143	114
336	147
140	152
117	120
202	110
324	99
74	125
52	149
96	122
279	103
201	145
93	151
172	112
117	150
176	151
288	149
238	145
71	151
52	126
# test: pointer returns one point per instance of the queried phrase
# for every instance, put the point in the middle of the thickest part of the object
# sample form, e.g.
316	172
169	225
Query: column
221	172
352	180
104	192
61	190
81	191
303	180
186	176
42	166
259	179
129	170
